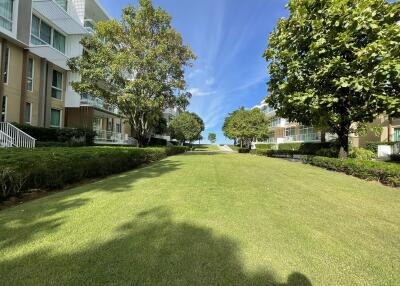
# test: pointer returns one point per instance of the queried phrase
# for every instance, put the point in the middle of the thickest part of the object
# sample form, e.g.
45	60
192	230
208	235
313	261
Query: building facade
383	129
37	37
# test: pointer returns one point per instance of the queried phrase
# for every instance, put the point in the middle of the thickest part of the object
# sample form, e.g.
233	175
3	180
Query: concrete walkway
225	148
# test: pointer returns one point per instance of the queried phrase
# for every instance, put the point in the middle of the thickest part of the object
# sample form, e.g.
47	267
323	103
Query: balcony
87	100
312	137
104	137
51	54
57	15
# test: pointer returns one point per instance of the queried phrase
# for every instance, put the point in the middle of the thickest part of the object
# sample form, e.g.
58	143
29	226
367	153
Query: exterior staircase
11	136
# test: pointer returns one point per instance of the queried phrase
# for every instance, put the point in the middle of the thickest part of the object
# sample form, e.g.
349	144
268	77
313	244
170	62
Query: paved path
225	148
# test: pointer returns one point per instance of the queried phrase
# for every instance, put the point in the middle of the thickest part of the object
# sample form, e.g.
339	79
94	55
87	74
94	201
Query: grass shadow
152	249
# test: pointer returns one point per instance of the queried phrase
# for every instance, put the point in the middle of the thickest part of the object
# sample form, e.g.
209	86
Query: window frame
6	74
33	75
56	87
5	102
52	32
60	110
10	21
30	113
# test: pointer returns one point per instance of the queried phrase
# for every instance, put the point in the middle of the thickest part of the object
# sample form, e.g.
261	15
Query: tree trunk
344	141
323	136
241	143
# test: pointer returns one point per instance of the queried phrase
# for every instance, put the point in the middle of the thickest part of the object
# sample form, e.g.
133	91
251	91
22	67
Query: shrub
260	152
158	142
264	146
331	153
373	146
41	144
361	154
395	157
387	173
71	136
244	150
49	168
305	148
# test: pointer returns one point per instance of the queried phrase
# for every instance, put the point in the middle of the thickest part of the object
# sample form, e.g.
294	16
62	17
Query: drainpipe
23	87
3	45
42	93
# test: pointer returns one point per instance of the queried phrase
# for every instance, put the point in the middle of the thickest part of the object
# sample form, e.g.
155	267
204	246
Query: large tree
186	127
246	125
136	64
336	63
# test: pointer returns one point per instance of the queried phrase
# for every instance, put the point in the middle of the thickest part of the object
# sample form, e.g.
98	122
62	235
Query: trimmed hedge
158	142
386	173
395	157
244	150
70	136
47	168
305	148
265	146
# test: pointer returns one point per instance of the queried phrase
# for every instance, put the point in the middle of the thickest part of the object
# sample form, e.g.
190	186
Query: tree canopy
136	64
186	127
212	137
246	125
333	63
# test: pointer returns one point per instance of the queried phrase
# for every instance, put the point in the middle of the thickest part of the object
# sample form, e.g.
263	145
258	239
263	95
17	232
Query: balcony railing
110	137
99	103
312	137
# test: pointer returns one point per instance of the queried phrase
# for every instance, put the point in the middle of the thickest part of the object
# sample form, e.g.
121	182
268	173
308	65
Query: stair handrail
19	137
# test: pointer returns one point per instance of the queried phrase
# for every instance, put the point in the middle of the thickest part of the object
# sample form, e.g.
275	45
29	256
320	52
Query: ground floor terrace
207	219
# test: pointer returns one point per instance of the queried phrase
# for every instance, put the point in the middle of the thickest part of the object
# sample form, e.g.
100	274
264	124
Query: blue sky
228	38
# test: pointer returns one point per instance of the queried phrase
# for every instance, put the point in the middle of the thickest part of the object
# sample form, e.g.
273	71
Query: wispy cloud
199	92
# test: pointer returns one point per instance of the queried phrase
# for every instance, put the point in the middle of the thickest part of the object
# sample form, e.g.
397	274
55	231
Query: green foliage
244	150
395	157
137	64
186	127
362	154
304	148
212	137
246	125
261	152
373	146
386	173
69	136
265	146
49	168
336	62
328	152
158	142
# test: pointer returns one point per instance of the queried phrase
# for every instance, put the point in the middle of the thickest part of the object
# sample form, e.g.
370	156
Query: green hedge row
69	136
386	173
305	148
264	146
47	168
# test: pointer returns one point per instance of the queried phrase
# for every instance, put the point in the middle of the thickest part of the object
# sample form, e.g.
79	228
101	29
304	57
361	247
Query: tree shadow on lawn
27	223
151	249
25	226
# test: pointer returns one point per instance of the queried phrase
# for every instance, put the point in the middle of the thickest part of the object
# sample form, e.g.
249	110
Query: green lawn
206	147
199	219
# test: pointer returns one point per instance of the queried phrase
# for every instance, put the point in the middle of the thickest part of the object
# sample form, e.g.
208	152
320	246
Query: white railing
18	137
313	137
5	140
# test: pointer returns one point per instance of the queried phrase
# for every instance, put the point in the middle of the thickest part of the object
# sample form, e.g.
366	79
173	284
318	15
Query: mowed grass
207	219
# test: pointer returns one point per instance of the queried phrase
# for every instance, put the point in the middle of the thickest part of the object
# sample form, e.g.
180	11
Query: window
56	86
29	81
6	65
396	134
43	34
6	14
275	122
4	110
291	131
118	128
55	118
59	41
308	134
28	113
63	4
